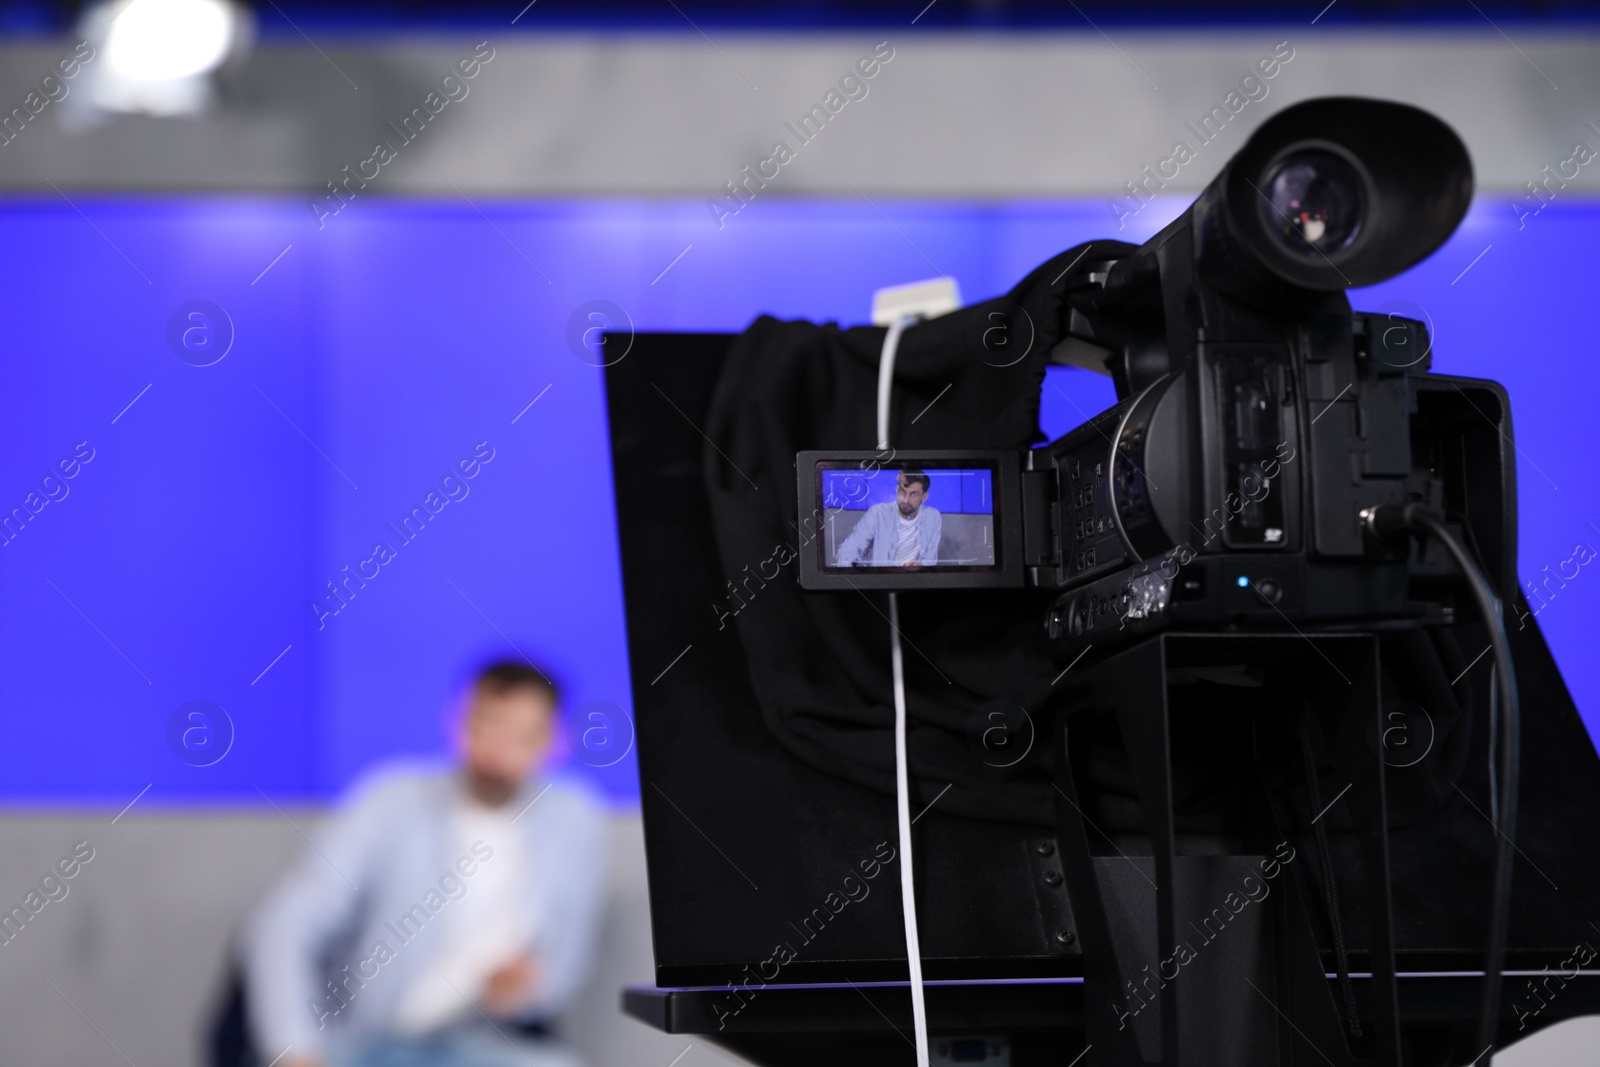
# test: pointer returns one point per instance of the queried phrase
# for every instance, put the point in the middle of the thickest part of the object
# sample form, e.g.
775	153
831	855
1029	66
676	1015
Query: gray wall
993	114
130	962
961	537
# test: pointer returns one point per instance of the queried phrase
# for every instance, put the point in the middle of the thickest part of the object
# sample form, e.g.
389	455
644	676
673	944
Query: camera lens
1314	203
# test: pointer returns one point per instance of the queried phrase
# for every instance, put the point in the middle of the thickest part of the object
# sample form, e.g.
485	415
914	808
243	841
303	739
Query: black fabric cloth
820	662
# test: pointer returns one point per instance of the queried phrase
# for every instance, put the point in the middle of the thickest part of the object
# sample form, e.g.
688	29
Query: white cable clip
927	299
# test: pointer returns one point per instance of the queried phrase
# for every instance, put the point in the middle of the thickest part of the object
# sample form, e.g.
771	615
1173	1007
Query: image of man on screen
904	533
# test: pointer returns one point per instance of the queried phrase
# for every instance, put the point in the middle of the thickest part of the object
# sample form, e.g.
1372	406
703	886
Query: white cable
902	774
891	346
902	796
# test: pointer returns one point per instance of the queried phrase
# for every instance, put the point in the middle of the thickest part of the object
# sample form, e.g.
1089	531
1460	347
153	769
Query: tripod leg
1358	759
1147	736
1109	1011
1344	713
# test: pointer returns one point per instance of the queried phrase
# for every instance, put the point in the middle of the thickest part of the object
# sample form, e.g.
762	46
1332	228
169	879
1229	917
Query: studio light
163	40
158	57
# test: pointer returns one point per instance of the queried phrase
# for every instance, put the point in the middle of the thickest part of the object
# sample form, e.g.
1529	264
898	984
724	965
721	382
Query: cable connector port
1393	522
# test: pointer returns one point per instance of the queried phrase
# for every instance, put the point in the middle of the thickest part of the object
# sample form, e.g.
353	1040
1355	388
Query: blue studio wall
236	464
952	491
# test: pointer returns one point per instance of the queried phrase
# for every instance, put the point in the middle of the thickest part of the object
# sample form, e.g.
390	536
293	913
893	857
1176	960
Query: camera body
1258	416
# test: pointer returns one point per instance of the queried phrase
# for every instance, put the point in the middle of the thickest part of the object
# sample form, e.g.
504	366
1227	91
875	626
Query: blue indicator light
1243	581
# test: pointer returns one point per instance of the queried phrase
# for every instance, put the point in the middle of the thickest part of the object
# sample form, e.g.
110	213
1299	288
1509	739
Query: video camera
1252	496
1263	430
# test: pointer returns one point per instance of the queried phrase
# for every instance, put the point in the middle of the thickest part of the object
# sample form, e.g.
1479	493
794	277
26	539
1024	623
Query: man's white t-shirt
905	548
490	925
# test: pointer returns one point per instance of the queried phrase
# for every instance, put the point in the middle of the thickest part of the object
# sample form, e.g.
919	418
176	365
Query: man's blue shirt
878	533
382	873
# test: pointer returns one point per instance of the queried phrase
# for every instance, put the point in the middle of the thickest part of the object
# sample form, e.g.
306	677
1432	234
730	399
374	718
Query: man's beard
911	514
490	789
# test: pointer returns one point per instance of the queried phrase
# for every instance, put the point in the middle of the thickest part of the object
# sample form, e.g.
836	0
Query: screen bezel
1005	572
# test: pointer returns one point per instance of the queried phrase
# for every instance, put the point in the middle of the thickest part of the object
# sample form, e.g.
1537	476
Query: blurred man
904	533
445	914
